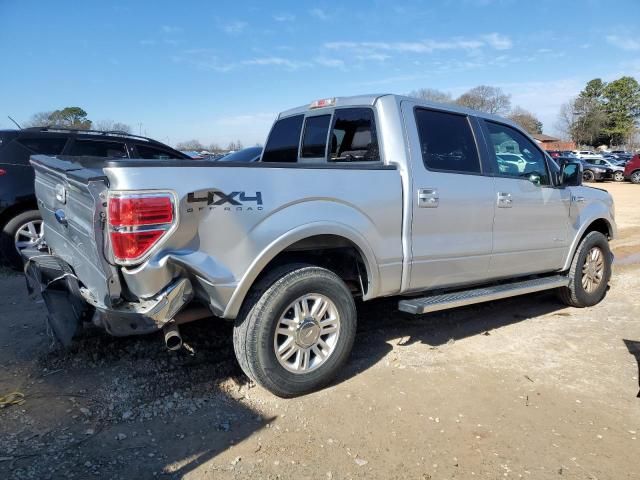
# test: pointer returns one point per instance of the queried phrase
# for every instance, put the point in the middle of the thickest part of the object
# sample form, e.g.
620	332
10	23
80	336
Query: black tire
618	176
253	334
635	177
8	235
575	295
588	176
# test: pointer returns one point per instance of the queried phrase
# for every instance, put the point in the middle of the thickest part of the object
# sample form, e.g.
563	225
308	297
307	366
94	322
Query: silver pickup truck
360	197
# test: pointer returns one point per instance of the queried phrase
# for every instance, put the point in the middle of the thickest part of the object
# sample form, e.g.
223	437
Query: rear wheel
296	331
635	177
588	176
618	176
589	273
22	231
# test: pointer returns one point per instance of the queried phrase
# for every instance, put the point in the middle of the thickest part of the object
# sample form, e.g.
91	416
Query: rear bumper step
445	301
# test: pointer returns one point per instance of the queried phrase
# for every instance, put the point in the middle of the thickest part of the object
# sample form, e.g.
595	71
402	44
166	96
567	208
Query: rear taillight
137	223
2	172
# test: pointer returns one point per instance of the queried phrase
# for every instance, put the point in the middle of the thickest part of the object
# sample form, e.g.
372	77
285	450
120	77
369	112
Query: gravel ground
521	388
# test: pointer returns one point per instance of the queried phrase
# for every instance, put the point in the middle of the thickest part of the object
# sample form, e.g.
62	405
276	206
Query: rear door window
314	142
44	145
98	148
353	136
447	142
282	145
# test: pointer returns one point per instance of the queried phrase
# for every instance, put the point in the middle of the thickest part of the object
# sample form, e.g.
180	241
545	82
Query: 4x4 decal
214	198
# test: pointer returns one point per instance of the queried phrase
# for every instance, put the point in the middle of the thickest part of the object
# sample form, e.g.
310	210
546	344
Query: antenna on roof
17	124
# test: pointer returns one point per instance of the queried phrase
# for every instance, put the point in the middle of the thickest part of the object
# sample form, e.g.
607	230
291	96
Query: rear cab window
345	134
282	145
314	141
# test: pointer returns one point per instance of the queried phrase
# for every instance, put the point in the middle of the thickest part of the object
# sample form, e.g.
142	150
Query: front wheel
590	272
296	331
635	177
618	176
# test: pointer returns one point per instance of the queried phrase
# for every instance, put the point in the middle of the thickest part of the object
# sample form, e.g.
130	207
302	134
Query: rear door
531	226
452	200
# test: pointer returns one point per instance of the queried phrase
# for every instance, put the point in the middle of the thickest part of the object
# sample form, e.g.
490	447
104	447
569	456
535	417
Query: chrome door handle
428	198
578	199
504	200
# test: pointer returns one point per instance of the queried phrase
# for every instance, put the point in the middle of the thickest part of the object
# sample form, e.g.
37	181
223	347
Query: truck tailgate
71	198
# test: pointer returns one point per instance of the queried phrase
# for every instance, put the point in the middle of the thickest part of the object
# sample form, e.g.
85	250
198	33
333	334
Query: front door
452	200
531	226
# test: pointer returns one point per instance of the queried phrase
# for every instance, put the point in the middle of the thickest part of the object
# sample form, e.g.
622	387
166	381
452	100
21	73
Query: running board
445	301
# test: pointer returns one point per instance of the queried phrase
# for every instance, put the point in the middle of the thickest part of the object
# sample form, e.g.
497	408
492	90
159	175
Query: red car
632	170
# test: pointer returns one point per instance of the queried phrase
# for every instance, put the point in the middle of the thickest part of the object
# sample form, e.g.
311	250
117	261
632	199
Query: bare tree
111	126
214	148
486	99
40	119
432	95
526	120
565	120
190	145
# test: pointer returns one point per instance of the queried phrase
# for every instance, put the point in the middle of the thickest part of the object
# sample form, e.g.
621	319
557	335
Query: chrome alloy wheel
593	270
28	235
618	176
307	333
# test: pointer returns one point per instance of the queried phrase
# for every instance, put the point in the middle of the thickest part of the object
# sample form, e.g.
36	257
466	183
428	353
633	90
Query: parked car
359	197
592	172
249	154
632	170
617	171
20	222
554	153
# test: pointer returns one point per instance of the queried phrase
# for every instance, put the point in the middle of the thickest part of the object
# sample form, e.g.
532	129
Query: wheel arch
336	247
16	209
599	224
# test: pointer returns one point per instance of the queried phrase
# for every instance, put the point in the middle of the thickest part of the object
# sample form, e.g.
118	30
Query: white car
587	154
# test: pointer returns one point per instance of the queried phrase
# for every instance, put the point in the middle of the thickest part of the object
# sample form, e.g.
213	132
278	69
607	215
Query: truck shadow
634	349
119	407
380	324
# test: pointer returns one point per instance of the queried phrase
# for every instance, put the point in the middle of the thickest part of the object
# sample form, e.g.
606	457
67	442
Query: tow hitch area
55	281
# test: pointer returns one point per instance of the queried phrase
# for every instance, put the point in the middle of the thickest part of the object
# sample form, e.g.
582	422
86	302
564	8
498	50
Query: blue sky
220	71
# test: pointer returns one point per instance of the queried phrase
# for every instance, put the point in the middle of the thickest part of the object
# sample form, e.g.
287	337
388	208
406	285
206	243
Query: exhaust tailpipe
172	337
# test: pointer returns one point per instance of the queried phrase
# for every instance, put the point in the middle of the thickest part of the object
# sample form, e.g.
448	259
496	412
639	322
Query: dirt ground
521	388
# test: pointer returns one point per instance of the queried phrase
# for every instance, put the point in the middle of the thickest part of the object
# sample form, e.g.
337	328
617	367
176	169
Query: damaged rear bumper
69	303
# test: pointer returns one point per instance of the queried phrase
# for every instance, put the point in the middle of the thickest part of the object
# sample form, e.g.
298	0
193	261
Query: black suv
20	223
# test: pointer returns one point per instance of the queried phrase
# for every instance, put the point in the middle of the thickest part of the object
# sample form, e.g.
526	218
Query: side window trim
476	142
491	151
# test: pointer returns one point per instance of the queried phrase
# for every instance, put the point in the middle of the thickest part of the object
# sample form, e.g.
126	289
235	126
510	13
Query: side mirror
534	178
571	174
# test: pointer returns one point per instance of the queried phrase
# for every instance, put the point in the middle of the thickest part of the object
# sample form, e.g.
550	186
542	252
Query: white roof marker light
325	102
